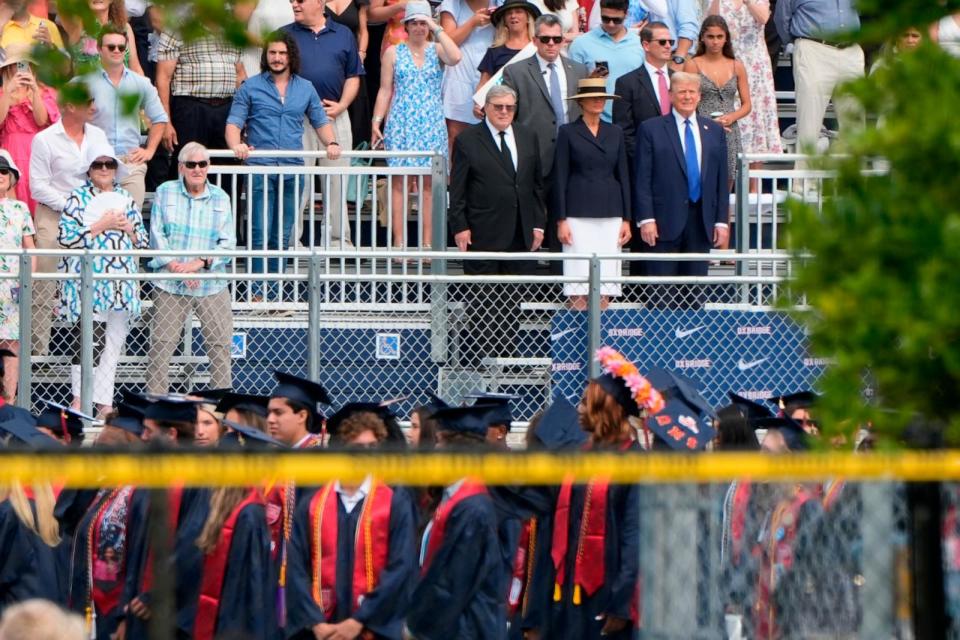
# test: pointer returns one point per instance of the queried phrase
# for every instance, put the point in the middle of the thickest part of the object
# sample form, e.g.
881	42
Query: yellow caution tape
90	468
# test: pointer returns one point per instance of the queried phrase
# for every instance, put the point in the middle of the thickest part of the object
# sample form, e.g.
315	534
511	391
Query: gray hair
190	149
546	20
40	620
682	77
500	90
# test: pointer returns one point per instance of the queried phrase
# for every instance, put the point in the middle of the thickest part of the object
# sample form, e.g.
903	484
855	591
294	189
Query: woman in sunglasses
102	216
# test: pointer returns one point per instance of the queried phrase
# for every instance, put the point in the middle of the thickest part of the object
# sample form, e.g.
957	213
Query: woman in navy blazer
591	192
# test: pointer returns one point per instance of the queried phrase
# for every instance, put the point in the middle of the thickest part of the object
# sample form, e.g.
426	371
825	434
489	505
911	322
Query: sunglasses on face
550	39
296	1
193	164
507	108
116	47
97	165
663	42
4	171
611	19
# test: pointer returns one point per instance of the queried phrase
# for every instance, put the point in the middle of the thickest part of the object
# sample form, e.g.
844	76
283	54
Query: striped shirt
179	221
206	68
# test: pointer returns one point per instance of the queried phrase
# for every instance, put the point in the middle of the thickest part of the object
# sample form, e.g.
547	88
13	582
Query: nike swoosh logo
683	333
745	366
560	334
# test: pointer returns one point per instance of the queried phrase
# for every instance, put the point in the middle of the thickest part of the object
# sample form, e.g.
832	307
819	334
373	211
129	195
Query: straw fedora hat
592	88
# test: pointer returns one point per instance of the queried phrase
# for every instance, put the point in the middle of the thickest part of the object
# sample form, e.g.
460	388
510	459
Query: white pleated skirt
593	235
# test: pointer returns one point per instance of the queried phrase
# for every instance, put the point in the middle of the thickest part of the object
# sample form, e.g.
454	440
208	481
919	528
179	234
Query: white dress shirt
510	139
655	79
350	502
561	76
55	161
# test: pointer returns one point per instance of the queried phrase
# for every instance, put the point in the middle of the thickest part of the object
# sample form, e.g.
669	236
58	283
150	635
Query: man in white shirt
55	171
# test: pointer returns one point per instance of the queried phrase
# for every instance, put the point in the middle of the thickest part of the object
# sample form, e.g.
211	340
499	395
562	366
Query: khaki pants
170	312
336	223
135	182
44	292
817	71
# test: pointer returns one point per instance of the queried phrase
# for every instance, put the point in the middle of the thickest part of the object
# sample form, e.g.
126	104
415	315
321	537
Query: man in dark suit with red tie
681	191
644	94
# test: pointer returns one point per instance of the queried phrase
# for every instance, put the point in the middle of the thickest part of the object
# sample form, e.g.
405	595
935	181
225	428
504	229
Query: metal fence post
876	597
86	333
439	340
593	317
313	317
742	220
24	389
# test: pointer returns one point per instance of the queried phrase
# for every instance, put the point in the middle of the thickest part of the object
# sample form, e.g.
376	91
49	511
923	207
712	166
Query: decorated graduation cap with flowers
622	380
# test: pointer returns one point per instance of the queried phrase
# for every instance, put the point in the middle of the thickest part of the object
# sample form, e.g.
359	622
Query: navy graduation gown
188	559
247	606
19	576
534	611
383	609
79	572
71	506
461	594
621	568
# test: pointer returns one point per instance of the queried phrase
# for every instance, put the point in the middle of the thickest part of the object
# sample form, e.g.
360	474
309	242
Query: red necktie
664	92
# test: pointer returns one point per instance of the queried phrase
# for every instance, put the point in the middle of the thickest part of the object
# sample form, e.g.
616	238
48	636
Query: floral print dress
15	223
108	295
415	121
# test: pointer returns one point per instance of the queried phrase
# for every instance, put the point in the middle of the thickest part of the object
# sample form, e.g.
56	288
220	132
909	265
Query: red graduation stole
468	489
214	570
372	544
522	567
591	540
106	601
174	498
738	519
776	551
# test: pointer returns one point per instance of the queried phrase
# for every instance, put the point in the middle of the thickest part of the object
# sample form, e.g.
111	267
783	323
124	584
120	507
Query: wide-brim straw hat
592	88
501	11
14	53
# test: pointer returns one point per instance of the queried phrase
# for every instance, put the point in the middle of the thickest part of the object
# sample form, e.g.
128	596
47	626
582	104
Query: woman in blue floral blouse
102	216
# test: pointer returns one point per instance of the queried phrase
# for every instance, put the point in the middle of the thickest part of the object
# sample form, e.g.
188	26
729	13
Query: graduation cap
472	419
20	431
247	437
129	417
503	415
213	395
796	399
559	426
436	403
306	392
172	408
793	434
619	391
686	421
751	410
63	421
243	402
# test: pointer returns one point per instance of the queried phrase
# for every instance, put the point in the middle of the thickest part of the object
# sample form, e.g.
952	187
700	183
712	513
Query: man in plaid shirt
191	214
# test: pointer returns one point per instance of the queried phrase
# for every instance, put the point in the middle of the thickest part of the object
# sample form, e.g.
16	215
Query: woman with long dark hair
724	88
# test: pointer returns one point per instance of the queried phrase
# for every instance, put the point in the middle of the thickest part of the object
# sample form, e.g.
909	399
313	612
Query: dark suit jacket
660	190
487	198
533	101
590	173
637	103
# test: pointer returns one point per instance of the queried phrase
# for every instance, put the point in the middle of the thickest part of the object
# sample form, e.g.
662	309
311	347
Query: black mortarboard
210	394
503	415
751	410
620	392
172	409
800	399
559	426
473	419
436	403
686	420
60	419
793	434
243	402
247	436
306	392
129	417
20	432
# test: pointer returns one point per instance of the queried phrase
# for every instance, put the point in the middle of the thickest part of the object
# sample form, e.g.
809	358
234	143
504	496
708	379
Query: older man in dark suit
680	192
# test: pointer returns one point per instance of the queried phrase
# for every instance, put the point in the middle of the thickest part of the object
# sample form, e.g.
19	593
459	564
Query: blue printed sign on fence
388	346
238	345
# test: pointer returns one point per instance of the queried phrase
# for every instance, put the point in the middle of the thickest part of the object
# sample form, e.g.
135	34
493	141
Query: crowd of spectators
157	102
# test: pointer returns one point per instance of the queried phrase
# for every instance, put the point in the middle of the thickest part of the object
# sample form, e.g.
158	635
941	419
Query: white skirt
593	235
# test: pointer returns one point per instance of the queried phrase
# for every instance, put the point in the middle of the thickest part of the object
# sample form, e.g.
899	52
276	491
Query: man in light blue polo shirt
271	108
118	95
611	45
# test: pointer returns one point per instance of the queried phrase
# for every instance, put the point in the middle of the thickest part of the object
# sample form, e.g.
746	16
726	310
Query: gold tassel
556	592
576	594
283	575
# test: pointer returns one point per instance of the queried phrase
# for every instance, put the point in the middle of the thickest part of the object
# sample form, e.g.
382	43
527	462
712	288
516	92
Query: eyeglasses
663	42
193	164
611	19
116	47
296	1
96	165
549	39
506	108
